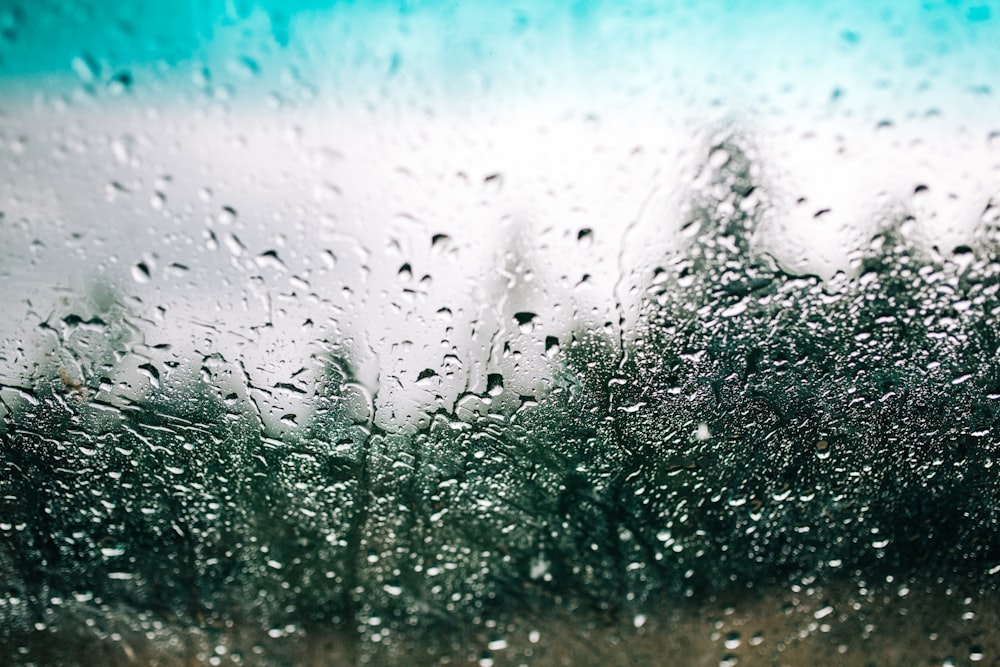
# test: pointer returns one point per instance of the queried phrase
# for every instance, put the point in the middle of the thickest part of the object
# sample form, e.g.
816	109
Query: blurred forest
756	428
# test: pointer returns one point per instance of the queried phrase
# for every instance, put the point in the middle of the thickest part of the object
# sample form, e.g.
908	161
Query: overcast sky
263	178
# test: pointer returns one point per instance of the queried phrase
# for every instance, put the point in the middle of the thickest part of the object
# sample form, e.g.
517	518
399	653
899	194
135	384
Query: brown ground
838	624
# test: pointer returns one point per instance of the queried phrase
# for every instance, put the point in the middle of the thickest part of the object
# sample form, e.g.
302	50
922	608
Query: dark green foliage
146	503
806	423
312	507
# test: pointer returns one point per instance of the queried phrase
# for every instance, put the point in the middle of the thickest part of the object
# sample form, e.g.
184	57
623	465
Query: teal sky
690	53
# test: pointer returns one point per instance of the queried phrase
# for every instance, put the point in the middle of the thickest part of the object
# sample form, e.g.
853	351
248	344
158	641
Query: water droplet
86	67
494	384
151	372
121	82
270	259
121	149
440	243
823	613
525	321
426	377
822	449
234	244
539	567
736	309
551	346
226	216
718	158
140	272
246	67
11	19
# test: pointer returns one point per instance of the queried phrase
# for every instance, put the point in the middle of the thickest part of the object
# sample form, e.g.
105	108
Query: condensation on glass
507	334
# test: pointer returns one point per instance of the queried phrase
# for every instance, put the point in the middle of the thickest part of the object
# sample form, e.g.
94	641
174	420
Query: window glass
499	333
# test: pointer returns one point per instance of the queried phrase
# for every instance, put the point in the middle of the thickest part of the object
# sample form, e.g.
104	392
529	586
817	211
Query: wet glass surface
553	334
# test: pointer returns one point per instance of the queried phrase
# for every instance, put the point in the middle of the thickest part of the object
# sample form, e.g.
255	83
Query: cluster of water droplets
755	428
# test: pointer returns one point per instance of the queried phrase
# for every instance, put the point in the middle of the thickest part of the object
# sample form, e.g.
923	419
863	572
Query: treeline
757	427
